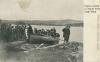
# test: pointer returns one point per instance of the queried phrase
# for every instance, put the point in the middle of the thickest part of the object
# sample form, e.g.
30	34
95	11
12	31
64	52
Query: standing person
29	32
35	31
66	33
26	33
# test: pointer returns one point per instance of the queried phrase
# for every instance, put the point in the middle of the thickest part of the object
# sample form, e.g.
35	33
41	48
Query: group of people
48	32
52	32
10	32
18	32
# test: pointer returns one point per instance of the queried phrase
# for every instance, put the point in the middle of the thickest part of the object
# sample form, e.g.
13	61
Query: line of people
16	32
10	33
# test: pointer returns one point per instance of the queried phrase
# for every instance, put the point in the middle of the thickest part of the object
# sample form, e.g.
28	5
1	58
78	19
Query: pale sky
42	9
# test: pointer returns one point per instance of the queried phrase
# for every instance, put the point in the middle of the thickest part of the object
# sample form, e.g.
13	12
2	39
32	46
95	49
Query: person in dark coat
66	33
35	31
29	32
53	32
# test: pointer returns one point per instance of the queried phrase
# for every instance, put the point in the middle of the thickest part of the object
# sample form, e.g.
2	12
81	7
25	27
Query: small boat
37	39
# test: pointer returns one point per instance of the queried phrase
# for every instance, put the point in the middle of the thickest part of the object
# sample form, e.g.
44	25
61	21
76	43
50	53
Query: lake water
76	32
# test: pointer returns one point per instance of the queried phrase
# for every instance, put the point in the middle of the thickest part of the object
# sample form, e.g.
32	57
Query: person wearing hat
29	32
66	33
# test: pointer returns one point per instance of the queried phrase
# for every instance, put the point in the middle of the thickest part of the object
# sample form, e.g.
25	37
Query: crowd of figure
16	32
47	32
9	32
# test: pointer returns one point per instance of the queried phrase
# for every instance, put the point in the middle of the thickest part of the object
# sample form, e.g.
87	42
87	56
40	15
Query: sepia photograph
41	31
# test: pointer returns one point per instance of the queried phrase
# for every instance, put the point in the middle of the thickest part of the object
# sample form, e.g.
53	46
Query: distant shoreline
46	22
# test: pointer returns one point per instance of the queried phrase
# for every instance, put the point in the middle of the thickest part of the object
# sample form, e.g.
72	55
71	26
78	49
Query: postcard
49	30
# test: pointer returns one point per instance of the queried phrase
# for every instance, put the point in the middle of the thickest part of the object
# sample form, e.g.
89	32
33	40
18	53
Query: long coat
66	33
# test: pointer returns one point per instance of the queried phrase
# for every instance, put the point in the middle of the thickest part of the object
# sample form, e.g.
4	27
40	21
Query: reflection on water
76	32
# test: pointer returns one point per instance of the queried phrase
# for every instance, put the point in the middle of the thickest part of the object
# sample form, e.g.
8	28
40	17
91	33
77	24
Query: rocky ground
71	52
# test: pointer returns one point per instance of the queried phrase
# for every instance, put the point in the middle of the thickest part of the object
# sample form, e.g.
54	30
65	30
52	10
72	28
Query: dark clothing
35	30
66	34
66	38
53	32
30	30
57	35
